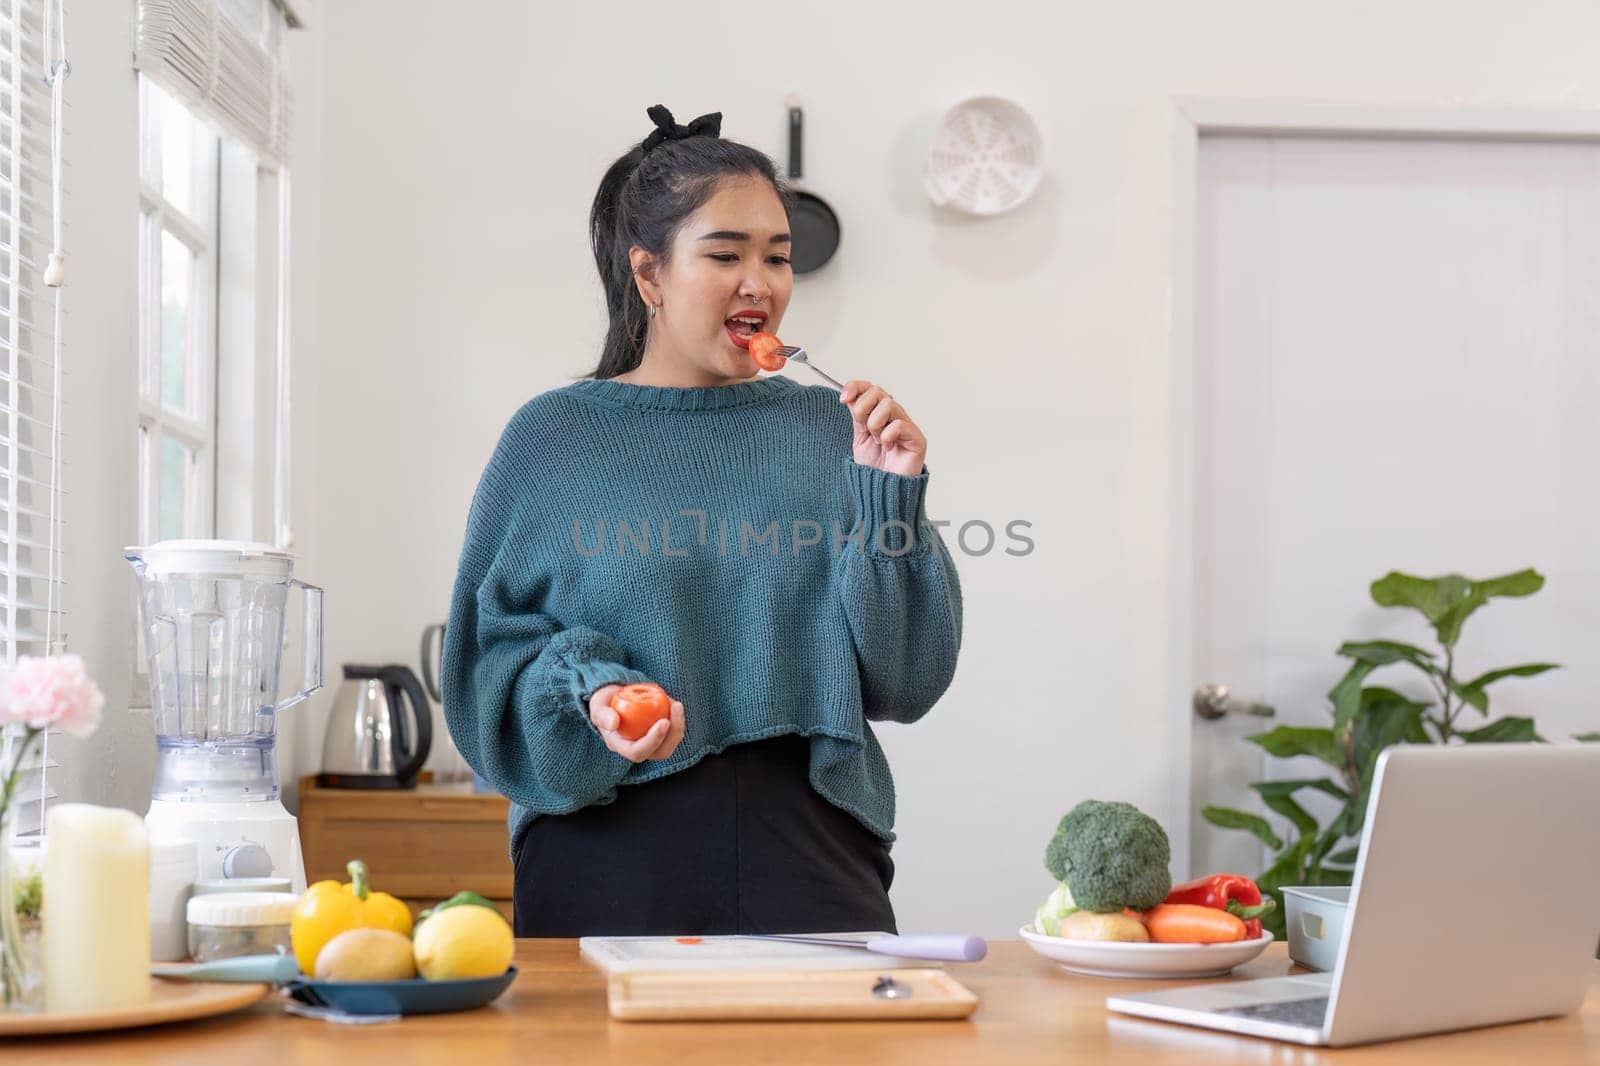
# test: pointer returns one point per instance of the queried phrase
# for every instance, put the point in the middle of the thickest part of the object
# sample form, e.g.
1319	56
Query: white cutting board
650	954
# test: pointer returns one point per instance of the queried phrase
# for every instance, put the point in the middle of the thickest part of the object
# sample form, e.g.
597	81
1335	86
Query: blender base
241	830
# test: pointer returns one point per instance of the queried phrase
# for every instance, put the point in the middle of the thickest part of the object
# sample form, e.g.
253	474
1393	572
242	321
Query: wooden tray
779	994
170	1001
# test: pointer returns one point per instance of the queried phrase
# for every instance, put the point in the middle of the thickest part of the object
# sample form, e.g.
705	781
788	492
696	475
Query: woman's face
729	261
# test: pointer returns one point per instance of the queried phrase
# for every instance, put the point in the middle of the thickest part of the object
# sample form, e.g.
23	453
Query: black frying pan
814	227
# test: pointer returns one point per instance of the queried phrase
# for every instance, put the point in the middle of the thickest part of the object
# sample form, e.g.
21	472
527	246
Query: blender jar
213	615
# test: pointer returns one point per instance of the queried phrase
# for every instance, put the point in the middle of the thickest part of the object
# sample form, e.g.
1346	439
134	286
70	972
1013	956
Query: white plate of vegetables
1103	958
1116	913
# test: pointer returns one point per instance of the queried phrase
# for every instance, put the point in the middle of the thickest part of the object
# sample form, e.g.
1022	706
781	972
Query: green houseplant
1369	718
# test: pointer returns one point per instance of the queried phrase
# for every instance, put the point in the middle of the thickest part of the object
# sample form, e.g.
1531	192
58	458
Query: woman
753	545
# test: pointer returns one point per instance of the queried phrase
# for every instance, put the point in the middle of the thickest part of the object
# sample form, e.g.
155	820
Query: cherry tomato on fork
764	348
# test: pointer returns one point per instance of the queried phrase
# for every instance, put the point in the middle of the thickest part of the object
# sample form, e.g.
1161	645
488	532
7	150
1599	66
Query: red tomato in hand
764	348
638	708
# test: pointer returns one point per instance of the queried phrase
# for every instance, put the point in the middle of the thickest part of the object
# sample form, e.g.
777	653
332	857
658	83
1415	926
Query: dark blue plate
415	996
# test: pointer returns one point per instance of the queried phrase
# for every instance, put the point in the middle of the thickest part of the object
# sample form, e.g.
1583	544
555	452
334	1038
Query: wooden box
422	845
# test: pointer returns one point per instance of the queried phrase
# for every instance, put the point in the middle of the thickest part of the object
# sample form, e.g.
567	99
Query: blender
213	614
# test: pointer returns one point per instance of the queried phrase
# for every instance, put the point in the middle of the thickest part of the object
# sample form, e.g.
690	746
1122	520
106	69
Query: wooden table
556	1013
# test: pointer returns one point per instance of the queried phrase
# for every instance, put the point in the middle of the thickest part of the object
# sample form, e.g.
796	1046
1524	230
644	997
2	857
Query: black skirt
738	843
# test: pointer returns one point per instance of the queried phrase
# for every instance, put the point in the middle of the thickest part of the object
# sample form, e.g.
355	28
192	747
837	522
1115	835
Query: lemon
463	942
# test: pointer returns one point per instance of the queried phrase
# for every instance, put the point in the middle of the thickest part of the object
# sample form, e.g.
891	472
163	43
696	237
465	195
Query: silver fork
789	351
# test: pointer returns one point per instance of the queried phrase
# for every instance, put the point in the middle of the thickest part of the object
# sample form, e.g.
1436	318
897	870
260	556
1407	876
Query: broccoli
1057	906
1111	856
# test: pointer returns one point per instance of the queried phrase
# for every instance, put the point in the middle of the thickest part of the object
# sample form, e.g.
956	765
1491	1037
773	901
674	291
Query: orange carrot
1190	923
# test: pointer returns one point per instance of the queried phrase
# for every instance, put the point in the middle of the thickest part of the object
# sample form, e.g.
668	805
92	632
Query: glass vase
21	968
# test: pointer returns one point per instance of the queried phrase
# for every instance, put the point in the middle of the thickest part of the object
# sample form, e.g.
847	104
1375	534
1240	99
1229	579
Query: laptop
1476	901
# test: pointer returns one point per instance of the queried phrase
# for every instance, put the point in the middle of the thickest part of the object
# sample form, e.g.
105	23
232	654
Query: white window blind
222	59
30	319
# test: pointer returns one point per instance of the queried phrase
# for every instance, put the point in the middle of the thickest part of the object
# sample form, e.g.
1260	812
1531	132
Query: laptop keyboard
1306	1013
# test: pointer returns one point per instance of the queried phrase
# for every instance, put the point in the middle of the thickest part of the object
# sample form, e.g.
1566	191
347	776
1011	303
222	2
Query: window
178	225
31	619
213	374
214	128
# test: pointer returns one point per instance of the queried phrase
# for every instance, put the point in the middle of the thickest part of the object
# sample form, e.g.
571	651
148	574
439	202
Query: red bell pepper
1237	895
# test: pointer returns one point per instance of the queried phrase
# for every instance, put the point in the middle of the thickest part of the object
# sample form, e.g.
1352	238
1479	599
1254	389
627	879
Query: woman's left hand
886	437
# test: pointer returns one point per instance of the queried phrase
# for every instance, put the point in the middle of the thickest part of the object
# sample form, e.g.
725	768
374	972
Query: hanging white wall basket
986	157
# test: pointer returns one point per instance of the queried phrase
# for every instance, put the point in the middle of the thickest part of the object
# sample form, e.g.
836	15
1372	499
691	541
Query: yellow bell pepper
328	908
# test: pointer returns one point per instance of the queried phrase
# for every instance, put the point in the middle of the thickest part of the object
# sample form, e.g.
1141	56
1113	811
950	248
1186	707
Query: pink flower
52	691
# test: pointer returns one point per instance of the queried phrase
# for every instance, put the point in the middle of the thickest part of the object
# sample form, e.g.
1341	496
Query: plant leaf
1288	868
1508	730
1521	583
1326	840
1447	601
1345	857
1289	788
1346	695
1287	741
1473	691
1297	815
1229	818
1384	652
1588	738
1471	697
1386	718
1349	821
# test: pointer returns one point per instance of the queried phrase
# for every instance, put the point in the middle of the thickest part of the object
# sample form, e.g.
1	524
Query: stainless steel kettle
366	745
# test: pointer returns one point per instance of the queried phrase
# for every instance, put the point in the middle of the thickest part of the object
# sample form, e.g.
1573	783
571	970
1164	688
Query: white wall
300	730
444	166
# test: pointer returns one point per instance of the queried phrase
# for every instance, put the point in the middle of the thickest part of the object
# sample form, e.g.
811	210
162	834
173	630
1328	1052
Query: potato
1085	925
366	955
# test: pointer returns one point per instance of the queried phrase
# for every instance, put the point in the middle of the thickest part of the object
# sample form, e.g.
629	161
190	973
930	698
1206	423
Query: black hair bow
668	130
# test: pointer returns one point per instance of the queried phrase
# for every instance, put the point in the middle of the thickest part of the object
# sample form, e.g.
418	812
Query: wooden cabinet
423	844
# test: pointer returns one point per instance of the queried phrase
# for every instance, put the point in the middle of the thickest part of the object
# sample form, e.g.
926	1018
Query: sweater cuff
590	676
889	508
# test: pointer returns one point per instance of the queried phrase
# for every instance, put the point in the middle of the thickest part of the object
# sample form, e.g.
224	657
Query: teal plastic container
1315	917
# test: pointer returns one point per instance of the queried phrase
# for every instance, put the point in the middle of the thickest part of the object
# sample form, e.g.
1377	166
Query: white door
1397	367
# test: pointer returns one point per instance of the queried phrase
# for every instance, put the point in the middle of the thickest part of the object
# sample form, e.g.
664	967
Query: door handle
1213	701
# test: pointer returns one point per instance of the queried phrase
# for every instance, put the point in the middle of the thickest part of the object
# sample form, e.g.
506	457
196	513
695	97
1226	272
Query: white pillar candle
96	913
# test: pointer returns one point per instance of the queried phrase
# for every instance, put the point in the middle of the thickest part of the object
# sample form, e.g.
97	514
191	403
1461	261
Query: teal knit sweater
721	542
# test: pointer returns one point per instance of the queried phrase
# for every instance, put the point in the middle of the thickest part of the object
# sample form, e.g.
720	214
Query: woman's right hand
659	743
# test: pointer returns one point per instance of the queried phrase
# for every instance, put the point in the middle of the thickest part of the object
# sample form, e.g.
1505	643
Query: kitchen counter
1031	1012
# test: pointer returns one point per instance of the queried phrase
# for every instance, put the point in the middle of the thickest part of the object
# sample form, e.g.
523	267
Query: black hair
644	199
